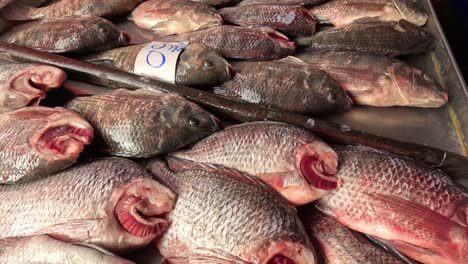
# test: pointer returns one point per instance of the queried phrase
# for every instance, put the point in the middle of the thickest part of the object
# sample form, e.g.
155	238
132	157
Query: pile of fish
93	177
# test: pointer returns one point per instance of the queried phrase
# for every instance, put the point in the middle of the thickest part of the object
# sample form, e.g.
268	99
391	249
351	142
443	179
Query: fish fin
224	90
292	59
407	247
421	217
320	207
461	212
73	230
385	246
367	20
97	248
275	179
19	11
322	20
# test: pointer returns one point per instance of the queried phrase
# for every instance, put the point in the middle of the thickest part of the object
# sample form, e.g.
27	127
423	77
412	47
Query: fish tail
19	11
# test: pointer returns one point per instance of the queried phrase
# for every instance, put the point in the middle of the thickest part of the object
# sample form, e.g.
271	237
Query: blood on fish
280	259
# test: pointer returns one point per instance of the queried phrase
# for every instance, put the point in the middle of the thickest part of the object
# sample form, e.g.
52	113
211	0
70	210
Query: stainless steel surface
443	128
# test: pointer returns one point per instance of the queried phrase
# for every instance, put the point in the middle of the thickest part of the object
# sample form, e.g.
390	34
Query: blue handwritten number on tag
151	59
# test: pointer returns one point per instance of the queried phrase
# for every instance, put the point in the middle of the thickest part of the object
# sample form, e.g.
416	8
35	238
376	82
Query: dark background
453	15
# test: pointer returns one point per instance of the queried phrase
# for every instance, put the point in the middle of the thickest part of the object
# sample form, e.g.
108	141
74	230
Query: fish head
64	133
191	122
416	87
331	92
421	40
203	16
286	252
138	211
317	164
106	35
29	86
202	66
409	11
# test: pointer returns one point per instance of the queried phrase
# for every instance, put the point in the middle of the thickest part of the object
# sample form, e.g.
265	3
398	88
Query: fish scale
237	215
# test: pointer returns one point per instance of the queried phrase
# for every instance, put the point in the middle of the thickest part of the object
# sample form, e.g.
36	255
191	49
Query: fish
217	3
111	202
197	65
38	141
343	12
239	42
71	34
224	216
339	244
290	159
46	250
175	16
25	84
20	11
143	123
282	2
408	205
372	36
285	85
379	80
291	20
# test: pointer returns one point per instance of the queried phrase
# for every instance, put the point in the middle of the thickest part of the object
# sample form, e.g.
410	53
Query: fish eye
103	30
427	77
193	122
208	64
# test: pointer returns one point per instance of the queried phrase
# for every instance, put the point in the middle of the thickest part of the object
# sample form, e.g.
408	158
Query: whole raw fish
66	8
379	80
417	210
239	42
143	123
373	36
38	141
339	244
167	17
46	250
112	203
282	2
197	65
290	159
23	84
292	20
285	85
342	12
72	34
223	216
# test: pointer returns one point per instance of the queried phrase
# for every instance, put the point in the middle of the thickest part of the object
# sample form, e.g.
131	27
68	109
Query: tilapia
342	12
282	2
46	250
72	34
238	42
290	159
66	8
338	244
143	123
112	203
379	80
38	141
292	20
223	216
417	210
167	17
23	84
285	85
197	65
373	36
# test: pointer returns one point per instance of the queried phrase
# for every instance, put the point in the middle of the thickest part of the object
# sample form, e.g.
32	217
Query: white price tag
158	60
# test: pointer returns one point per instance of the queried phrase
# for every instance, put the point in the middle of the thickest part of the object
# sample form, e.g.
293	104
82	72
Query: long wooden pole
454	164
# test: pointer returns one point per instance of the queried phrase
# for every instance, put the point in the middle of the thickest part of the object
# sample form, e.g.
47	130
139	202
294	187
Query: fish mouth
125	38
284	41
64	138
318	164
282	252
35	82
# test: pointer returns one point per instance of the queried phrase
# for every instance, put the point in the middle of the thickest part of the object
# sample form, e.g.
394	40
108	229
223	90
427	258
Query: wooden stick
452	163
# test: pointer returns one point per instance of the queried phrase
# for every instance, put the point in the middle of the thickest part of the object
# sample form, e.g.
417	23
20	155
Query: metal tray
443	128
